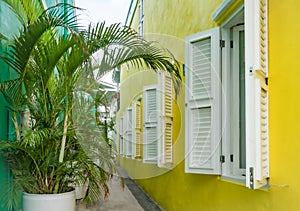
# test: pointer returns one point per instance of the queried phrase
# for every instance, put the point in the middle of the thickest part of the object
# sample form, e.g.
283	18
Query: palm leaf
54	68
11	90
27	11
3	37
24	45
121	45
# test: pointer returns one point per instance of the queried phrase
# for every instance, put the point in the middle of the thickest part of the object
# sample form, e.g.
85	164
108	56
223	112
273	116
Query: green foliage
58	143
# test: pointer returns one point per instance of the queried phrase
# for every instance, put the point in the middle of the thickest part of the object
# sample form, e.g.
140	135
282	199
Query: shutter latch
251	178
222	43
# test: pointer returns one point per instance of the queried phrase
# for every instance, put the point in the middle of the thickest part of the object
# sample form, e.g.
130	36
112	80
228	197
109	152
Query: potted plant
51	151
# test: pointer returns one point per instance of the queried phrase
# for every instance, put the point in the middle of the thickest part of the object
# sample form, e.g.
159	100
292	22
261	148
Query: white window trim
227	98
141	18
222	9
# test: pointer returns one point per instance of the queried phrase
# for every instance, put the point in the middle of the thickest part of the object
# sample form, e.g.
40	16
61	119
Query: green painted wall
170	22
8	26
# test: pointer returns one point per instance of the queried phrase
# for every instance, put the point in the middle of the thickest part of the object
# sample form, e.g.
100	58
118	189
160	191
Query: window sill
240	181
234	179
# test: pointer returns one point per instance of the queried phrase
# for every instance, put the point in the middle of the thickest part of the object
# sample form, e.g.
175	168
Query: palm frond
12	91
63	15
21	50
17	7
32	138
55	72
3	37
121	45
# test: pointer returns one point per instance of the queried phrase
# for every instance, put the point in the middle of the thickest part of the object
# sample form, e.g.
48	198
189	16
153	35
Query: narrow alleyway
131	198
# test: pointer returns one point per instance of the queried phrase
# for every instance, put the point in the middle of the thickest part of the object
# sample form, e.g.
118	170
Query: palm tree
46	155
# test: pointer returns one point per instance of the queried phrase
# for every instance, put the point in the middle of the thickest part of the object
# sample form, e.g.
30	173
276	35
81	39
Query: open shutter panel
165	138
125	125
128	132
150	124
168	140
257	144
203	104
136	136
121	136
263	36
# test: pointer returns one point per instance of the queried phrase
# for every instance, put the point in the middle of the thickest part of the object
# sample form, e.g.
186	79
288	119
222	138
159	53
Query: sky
110	11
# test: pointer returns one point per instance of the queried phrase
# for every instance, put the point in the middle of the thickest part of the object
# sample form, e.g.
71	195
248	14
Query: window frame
230	171
256	95
141	18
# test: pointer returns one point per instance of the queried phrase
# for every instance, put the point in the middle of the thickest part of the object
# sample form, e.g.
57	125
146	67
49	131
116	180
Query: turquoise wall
8	26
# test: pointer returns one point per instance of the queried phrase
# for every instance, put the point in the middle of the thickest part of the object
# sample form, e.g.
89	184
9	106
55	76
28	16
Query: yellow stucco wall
170	22
284	75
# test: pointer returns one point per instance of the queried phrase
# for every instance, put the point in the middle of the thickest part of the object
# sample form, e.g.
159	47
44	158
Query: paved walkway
131	198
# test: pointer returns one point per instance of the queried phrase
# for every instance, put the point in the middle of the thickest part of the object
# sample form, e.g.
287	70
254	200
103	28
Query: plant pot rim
48	194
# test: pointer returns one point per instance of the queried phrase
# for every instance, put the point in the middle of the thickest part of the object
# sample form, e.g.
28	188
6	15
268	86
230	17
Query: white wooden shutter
137	127
121	129
150	124
257	147
128	132
165	145
203	104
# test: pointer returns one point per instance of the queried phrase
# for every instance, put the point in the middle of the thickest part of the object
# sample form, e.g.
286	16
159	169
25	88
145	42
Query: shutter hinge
231	158
231	43
267	81
222	43
222	159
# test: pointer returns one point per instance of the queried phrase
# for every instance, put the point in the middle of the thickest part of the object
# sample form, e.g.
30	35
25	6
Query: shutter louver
165	137
257	141
263	35
262	131
203	114
168	95
138	146
201	66
200	130
137	130
150	124
128	132
168	145
151	144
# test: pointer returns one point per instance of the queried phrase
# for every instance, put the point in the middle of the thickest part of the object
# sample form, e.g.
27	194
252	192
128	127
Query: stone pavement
131	198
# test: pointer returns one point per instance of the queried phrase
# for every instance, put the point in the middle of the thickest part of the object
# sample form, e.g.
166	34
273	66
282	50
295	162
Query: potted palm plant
51	151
